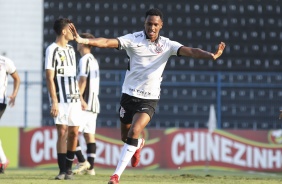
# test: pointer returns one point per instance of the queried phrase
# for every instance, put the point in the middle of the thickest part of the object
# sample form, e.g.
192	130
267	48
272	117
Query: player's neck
61	42
83	52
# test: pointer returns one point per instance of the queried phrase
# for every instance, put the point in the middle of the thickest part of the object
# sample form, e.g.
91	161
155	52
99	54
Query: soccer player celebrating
148	53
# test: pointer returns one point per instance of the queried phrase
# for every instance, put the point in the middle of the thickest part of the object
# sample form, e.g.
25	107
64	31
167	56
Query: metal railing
183	79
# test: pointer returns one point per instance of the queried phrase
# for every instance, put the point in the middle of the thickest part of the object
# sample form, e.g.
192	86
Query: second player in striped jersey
89	81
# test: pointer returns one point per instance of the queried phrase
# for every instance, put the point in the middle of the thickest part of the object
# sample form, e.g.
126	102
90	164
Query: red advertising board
168	148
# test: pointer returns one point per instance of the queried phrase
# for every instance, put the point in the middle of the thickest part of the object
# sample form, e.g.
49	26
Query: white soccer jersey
89	68
147	61
7	67
63	62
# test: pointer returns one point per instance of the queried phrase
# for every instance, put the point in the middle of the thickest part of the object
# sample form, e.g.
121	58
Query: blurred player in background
7	67
89	81
65	99
148	53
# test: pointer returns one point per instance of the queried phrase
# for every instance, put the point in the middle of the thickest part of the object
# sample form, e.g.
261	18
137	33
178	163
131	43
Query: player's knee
73	134
135	131
62	133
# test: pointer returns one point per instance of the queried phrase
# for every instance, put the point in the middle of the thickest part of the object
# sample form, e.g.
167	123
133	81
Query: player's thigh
74	114
62	117
90	122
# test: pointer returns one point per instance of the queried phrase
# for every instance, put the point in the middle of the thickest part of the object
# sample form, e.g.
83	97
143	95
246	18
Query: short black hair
154	11
60	24
86	35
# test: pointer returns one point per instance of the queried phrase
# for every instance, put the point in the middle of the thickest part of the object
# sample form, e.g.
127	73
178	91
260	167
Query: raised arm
201	54
96	42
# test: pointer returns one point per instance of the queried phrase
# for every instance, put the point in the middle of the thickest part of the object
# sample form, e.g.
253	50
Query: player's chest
3	70
65	58
150	48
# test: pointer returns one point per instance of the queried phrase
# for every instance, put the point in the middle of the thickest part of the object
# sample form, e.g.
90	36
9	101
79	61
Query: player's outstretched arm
96	42
201	54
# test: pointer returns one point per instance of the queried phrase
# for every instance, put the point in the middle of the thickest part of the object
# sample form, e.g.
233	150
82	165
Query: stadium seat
249	69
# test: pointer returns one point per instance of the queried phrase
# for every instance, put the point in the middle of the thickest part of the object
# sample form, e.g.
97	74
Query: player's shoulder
5	59
69	46
87	57
52	47
139	34
92	56
84	58
134	36
168	41
164	39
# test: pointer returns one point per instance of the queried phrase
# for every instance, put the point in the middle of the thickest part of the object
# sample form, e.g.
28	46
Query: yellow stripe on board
10	143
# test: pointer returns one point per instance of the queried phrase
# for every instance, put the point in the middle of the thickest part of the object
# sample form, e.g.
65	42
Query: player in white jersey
89	82
65	98
148	53
7	67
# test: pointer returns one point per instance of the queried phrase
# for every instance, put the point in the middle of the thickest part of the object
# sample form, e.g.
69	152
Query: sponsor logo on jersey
61	71
73	96
139	35
140	92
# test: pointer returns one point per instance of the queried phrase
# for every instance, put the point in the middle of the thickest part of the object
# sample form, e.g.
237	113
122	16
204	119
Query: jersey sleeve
175	46
83	67
125	41
49	59
10	66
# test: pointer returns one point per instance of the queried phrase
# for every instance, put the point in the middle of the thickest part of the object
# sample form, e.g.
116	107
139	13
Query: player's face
153	25
68	35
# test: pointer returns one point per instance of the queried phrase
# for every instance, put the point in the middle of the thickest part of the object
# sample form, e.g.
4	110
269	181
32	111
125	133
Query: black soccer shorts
2	109
129	105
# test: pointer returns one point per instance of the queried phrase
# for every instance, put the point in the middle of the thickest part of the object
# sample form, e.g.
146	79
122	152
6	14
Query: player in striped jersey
89	79
148	53
7	67
64	94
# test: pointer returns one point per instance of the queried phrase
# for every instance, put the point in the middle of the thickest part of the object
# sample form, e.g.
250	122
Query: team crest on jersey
63	58
121	112
159	48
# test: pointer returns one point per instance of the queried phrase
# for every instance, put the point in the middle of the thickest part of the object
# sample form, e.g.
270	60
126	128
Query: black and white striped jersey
7	67
89	68
63	62
147	61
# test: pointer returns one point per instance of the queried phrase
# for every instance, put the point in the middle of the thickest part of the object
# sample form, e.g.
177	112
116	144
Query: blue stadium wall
244	85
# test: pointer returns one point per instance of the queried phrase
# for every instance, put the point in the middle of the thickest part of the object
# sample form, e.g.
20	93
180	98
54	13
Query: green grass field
138	176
